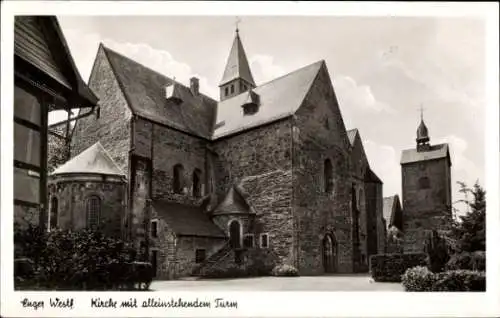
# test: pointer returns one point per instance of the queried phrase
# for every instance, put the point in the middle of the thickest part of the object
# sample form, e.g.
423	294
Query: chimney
194	84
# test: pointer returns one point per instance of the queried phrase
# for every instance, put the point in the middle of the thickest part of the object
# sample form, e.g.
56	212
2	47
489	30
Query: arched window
54	208
93	211
196	183
178	174
423	183
328	176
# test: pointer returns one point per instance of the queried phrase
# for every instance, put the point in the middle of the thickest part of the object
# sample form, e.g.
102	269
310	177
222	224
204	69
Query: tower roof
95	160
422	132
237	64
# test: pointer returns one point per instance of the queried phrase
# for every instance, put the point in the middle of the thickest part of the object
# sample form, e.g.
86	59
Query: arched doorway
235	234
329	253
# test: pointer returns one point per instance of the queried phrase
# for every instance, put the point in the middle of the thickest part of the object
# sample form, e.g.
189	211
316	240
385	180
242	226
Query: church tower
237	77
426	189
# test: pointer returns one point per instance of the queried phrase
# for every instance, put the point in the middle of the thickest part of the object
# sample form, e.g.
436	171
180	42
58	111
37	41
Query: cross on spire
421	112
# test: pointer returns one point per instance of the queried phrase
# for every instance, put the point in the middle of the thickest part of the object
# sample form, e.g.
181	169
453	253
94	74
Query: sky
384	69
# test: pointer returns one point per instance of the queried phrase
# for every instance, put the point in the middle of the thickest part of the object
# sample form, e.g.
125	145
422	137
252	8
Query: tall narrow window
178	174
93	211
328	176
154	228
197	183
232	88
53	213
226	91
264	240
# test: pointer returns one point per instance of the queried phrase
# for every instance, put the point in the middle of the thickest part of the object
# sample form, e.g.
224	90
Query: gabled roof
186	220
39	41
237	64
279	98
351	134
144	90
435	152
389	209
93	160
372	177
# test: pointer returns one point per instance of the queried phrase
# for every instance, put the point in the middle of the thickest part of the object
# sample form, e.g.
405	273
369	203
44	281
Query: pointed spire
237	66
422	131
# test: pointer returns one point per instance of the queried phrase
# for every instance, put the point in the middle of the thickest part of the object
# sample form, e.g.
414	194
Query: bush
390	267
285	270
418	278
421	279
466	260
66	260
460	280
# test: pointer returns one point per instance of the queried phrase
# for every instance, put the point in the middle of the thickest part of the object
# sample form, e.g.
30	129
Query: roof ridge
152	70
290	73
106	152
279	78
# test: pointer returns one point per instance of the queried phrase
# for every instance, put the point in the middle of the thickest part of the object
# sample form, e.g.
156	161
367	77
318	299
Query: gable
321	106
112	128
358	155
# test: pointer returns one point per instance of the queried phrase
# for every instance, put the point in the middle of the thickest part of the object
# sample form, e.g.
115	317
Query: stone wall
176	254
168	147
381	226
260	161
72	195
254	152
112	127
319	134
425	209
372	217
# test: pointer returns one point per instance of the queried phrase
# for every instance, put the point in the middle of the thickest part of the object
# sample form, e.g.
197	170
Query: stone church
265	175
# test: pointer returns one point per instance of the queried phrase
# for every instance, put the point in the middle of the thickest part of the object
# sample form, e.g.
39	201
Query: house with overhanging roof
45	79
258	177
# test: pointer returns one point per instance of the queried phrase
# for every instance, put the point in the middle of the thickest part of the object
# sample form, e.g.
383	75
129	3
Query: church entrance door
235	234
329	254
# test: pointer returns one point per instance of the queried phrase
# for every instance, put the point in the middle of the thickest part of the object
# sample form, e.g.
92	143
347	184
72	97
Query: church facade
267	175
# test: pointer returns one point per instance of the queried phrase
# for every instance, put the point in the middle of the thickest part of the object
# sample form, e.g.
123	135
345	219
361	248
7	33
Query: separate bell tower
426	189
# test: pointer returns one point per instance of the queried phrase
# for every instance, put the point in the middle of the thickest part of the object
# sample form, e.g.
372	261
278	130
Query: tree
469	233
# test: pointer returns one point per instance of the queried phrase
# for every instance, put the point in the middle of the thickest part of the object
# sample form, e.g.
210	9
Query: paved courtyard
305	283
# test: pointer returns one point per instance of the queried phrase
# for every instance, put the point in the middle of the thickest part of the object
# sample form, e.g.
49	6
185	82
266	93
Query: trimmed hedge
390	267
421	279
